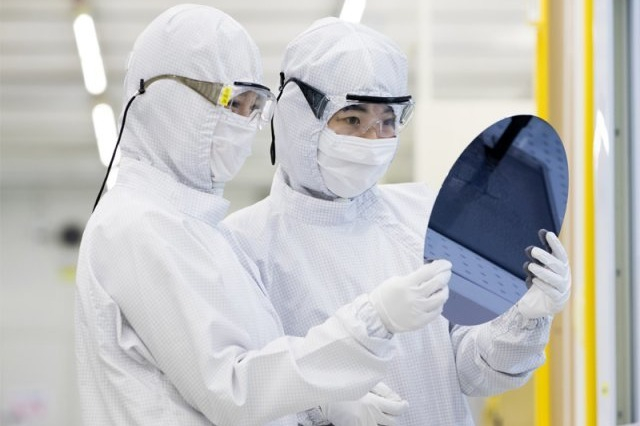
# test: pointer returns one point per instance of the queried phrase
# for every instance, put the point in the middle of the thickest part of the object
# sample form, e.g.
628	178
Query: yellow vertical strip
589	222
541	379
542	62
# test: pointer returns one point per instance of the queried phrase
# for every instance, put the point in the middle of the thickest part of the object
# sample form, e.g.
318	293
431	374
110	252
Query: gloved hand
381	406
412	301
549	277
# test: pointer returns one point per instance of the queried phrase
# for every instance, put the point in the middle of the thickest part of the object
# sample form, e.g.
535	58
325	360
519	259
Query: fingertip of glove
528	251
526	266
441	264
430	270
552	239
529	281
543	234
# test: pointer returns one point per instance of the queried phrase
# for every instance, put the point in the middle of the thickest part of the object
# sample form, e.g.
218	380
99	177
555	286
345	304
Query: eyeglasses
357	114
251	100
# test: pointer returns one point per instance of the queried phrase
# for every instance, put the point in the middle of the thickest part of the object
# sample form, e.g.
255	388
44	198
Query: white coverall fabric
211	47
306	246
312	57
171	329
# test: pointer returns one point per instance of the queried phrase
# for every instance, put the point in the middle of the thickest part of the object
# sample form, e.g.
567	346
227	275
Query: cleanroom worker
342	103
171	328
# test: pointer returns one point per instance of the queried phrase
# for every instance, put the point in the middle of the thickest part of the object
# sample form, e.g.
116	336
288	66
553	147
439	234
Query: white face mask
350	165
232	140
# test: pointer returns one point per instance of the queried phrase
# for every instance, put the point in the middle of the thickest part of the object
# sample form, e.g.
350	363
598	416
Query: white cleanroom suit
171	327
306	240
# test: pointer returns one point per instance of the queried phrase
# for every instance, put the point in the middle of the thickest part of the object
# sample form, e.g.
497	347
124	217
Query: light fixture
104	126
352	10
95	79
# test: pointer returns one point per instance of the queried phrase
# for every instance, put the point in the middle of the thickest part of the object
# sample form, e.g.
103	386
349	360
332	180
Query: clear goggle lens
358	114
251	100
248	100
363	118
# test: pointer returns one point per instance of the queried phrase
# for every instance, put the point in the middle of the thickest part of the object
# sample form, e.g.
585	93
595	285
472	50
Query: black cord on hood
272	149
141	90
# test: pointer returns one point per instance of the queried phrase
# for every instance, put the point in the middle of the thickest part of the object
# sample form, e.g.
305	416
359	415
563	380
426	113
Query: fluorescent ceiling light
95	79
352	10
104	126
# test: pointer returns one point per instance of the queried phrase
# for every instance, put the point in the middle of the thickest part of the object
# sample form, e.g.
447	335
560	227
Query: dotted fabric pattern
337	58
172	330
192	41
315	255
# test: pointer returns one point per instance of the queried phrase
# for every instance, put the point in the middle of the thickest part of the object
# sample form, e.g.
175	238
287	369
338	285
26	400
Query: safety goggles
251	100
357	115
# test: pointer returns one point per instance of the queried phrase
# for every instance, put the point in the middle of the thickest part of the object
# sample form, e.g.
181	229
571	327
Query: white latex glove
549	276
412	301
381	406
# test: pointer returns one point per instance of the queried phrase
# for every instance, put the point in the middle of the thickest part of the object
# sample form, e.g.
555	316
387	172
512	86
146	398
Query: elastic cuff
515	319
366	313
313	417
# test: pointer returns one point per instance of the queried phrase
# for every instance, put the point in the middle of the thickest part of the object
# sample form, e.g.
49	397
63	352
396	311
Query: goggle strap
379	99
316	99
250	84
206	90
272	148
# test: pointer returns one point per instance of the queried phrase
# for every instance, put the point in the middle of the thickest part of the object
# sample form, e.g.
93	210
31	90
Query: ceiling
477	50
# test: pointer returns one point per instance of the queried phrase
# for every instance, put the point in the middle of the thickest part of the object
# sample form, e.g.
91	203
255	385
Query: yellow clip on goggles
251	100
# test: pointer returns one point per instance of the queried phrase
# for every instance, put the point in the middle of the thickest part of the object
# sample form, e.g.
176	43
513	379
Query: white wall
490	62
36	306
446	127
